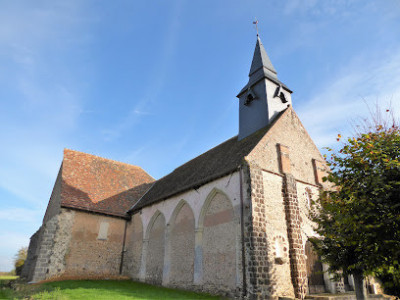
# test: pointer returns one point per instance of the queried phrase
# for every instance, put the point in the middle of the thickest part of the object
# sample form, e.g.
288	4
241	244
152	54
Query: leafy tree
19	259
359	219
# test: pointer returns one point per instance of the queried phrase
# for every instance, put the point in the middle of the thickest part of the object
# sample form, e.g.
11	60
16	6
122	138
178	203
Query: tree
19	259
359	219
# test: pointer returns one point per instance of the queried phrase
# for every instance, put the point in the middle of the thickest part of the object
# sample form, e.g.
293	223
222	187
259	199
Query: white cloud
41	101
342	100
157	83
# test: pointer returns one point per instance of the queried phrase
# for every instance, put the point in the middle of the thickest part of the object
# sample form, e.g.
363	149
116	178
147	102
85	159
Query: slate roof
261	67
261	59
96	184
217	162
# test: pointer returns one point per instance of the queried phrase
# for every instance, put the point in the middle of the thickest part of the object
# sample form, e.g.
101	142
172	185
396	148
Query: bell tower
263	97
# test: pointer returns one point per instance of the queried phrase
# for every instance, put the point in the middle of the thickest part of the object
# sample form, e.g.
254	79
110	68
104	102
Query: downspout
242	232
123	248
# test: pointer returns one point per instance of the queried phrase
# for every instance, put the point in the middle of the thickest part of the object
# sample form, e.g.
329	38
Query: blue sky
154	83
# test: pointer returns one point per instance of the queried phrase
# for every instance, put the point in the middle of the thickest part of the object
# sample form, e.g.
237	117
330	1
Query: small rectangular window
103	231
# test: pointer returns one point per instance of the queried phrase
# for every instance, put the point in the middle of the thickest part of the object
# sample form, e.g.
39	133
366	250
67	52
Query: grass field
8	277
99	290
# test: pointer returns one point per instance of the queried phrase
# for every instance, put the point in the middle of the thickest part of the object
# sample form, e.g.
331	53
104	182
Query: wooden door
314	271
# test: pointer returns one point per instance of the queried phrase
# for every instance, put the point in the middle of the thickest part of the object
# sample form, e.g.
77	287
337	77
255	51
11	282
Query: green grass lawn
4	280
8	277
99	289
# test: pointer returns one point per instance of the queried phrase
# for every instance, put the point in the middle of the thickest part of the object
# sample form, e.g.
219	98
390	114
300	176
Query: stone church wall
306	194
191	241
181	247
288	131
95	245
61	243
276	229
70	245
54	206
267	247
155	250
133	247
41	243
30	262
44	249
219	253
282	169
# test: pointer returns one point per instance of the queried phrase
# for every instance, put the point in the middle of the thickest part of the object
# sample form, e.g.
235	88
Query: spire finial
255	22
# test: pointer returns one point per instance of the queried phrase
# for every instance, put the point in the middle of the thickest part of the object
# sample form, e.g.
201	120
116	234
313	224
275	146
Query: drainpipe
123	248
242	231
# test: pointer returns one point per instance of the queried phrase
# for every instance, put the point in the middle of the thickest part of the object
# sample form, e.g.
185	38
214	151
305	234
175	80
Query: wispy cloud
40	108
139	112
41	102
343	98
157	82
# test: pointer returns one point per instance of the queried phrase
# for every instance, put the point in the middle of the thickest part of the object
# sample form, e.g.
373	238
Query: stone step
344	296
326	296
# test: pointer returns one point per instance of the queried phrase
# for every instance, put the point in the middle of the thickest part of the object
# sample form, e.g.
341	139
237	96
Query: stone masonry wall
288	131
215	222
30	262
306	193
294	233
287	151
62	239
46	243
156	248
93	251
219	238
278	244
40	247
133	247
255	236
181	245
54	206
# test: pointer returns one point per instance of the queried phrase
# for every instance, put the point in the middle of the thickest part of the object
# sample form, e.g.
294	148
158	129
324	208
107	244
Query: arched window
308	197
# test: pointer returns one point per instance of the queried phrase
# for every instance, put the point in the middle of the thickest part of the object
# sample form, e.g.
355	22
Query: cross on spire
256	23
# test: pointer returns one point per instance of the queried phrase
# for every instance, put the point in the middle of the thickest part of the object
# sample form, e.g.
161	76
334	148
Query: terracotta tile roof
217	162
101	185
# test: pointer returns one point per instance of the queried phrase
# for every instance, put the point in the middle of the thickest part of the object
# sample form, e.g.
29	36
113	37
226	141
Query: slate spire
261	60
263	97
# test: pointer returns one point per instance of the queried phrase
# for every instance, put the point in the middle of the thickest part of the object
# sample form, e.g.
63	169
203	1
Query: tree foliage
19	259
359	219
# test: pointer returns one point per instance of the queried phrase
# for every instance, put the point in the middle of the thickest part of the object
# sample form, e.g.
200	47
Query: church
232	221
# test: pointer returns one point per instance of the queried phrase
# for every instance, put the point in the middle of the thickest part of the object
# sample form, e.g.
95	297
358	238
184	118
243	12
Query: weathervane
256	23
